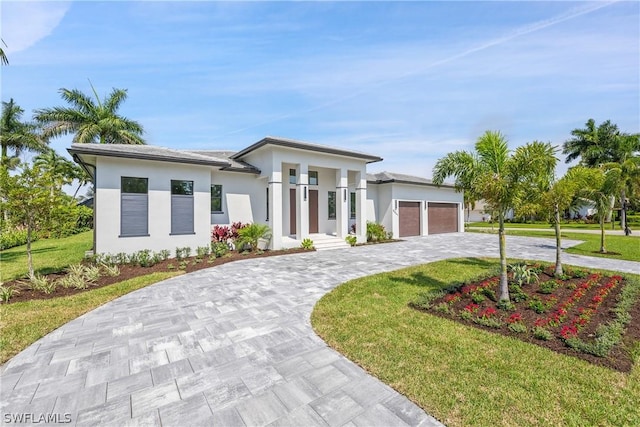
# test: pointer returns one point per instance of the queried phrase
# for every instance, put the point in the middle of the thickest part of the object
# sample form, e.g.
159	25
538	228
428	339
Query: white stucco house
149	197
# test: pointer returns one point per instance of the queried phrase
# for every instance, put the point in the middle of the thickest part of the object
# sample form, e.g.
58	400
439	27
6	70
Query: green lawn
628	247
23	323
463	375
49	255
571	225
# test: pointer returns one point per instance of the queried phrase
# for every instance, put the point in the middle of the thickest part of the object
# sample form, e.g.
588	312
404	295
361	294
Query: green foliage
6	293
490	322
425	299
219	249
465	315
542	333
110	269
523	275
478	297
202	251
549	286
537	305
518	328
91	273
307	244
250	234
517	295
41	284
489	293
12	237
351	240
376	232
506	305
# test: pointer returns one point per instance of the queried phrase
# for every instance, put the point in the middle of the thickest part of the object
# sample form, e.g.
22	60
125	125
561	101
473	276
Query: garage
443	218
409	213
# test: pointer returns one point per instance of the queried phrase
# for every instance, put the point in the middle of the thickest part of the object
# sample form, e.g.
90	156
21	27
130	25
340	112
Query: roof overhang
290	143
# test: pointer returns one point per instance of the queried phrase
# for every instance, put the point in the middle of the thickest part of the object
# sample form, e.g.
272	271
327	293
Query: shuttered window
181	207
134	206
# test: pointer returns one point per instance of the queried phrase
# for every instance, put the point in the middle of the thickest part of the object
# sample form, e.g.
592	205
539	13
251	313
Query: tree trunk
558	271
504	284
29	258
623	212
603	249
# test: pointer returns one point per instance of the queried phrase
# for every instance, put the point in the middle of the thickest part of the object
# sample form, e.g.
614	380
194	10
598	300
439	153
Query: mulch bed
619	358
131	271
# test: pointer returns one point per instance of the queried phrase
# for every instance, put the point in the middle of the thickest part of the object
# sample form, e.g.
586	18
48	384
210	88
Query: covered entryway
443	218
409	217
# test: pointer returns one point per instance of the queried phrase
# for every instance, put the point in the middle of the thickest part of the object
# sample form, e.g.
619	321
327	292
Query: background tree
603	183
17	136
464	166
89	121
596	146
59	169
500	178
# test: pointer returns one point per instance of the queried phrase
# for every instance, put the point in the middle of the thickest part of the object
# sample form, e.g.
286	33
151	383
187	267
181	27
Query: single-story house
149	197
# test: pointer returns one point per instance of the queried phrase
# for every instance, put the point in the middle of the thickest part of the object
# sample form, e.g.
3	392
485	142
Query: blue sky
408	81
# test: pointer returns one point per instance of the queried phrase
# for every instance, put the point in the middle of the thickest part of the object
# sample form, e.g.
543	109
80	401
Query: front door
313	211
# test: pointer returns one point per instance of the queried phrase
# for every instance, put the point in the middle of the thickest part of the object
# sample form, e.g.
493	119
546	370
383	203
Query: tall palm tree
499	177
17	135
3	57
595	146
91	121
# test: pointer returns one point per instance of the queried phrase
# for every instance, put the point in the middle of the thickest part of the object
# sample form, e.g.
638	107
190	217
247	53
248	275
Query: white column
302	196
461	217
275	206
342	203
361	206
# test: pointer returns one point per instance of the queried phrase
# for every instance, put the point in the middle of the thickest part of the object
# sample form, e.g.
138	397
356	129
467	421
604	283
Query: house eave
137	156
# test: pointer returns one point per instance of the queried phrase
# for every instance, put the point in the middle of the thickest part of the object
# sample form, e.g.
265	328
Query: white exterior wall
240	183
159	175
372	202
386	209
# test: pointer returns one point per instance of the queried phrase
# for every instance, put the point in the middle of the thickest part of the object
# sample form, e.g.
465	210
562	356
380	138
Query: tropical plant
250	234
6	293
351	240
61	170
3	56
17	135
91	120
307	244
596	146
499	177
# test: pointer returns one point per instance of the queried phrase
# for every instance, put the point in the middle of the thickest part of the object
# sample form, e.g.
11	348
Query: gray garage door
443	218
409	213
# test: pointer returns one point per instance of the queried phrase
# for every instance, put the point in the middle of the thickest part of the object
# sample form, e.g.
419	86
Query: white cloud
24	23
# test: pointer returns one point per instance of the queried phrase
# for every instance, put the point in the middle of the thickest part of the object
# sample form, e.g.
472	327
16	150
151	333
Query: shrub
225	233
307	244
549	286
10	238
506	305
542	333
490	322
375	232
91	273
202	251
465	315
523	275
164	254
6	293
351	240
537	305
110	270
517	327
144	258
250	234
516	293
219	248
424	300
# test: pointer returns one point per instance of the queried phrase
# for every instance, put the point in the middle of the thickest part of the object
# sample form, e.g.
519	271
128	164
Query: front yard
464	375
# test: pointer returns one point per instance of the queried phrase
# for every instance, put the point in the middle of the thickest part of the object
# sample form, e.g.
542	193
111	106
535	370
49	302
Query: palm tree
61	170
17	135
499	177
91	121
598	145
3	57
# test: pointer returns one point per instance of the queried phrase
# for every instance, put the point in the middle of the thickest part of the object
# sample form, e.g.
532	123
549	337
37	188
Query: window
332	205
292	176
134	206
352	210
216	198
181	207
313	177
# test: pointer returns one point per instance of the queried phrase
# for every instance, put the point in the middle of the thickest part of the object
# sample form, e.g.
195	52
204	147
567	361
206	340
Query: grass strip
460	374
23	323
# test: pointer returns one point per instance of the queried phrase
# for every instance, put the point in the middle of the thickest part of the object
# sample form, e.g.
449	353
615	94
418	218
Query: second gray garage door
443	218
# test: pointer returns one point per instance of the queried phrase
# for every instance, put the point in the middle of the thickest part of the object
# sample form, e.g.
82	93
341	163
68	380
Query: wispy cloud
24	23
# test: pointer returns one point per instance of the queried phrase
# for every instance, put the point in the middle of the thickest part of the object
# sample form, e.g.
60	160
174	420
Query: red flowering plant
515	318
451	298
488	312
568	331
472	307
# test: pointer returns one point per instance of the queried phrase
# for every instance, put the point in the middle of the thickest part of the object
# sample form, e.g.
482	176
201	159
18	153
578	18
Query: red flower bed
575	309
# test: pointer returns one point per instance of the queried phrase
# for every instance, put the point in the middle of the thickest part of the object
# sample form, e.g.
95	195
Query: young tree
499	177
61	170
91	121
29	201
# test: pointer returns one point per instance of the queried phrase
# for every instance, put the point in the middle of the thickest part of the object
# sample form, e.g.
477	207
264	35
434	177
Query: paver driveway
231	345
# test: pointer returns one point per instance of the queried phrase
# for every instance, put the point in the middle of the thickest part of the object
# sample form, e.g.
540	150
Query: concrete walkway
231	346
